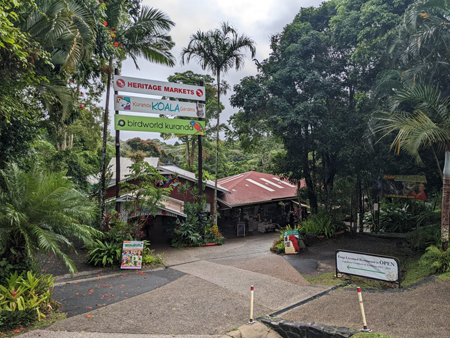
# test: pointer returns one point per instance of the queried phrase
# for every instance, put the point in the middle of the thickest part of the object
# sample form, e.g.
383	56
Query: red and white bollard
361	305
252	291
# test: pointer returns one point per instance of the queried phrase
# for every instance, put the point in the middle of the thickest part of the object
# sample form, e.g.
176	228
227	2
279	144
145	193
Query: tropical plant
422	43
29	291
320	224
145	196
424	126
218	50
422	238
142	32
104	253
41	211
435	260
149	258
213	235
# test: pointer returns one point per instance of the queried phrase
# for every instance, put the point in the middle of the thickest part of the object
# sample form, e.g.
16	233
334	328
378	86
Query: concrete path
270	292
212	298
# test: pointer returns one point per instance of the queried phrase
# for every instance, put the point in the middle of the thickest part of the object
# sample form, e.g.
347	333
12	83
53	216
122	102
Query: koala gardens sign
145	105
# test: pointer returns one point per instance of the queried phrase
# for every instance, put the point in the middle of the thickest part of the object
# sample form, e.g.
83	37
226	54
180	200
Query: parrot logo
197	126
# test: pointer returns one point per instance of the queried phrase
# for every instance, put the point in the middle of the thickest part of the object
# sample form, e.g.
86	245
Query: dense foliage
24	299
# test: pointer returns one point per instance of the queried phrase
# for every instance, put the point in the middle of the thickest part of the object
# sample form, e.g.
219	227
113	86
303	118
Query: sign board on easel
292	242
132	255
240	229
367	265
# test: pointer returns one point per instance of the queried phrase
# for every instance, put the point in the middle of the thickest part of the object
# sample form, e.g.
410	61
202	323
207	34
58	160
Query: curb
60	279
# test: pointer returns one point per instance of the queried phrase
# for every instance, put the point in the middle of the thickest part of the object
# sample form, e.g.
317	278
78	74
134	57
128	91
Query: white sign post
368	265
151	87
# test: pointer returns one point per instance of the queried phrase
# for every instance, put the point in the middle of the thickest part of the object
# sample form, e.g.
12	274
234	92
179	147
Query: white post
252	291
361	305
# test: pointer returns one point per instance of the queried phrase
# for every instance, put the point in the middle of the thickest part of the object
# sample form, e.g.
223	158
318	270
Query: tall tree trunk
188	157
71	141
192	151
217	148
446	199
310	185
105	137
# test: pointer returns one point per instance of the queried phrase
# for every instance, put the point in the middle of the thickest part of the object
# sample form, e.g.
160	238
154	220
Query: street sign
156	124
154	106
368	265
151	87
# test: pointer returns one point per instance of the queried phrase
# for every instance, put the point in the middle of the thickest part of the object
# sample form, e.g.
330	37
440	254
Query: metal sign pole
200	156
116	72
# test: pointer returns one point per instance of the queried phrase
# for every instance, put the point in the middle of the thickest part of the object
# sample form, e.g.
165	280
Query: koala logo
121	122
124	102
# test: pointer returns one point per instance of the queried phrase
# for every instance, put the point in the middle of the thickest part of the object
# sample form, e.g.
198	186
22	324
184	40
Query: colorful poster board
156	124
403	186
132	255
292	244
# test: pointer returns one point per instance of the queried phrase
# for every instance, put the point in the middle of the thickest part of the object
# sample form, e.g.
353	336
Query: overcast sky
258	19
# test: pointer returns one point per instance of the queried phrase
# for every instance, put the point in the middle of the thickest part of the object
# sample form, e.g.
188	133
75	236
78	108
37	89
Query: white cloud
257	19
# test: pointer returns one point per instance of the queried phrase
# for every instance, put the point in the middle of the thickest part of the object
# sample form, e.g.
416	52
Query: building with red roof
257	198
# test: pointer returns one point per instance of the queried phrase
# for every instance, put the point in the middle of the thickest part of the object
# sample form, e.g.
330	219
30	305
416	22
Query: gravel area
417	312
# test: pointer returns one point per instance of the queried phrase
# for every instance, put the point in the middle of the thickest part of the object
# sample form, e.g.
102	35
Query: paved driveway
204	291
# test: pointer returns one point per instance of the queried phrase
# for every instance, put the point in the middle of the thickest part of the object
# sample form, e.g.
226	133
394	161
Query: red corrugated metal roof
255	187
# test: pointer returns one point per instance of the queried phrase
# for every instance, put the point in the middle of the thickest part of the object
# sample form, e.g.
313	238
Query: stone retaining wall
288	329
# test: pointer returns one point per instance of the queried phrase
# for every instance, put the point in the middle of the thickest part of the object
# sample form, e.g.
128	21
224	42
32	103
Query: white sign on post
154	106
367	265
151	87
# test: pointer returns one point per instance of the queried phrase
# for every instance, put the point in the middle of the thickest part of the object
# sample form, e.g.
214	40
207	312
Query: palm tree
66	31
142	34
41	211
218	50
426	126
422	42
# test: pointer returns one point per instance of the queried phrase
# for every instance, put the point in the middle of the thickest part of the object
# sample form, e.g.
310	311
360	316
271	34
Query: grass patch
444	277
324	279
50	319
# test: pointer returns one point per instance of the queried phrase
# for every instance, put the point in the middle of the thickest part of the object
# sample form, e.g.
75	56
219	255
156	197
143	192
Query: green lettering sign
157	124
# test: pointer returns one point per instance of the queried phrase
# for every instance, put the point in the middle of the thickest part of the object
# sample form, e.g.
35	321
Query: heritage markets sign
156	124
150	87
145	105
368	265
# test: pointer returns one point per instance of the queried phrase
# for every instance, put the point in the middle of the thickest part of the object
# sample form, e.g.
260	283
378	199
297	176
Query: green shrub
320	224
9	320
104	253
26	296
212	235
435	260
406	216
7	268
278	246
148	258
422	238
190	231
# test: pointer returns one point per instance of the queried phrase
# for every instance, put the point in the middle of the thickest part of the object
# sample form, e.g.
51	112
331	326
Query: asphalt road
79	297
